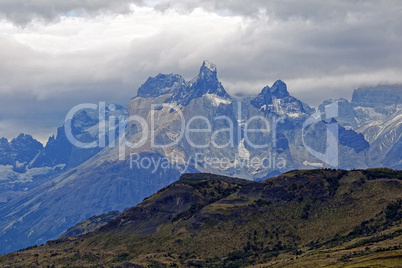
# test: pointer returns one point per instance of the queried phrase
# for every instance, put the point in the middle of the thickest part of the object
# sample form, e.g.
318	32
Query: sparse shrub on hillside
382	173
393	212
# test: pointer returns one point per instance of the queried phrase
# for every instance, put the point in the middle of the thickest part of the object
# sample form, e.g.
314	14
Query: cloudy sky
56	54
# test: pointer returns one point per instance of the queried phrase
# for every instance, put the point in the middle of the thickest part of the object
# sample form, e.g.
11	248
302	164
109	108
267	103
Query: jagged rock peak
380	95
268	94
160	85
279	89
207	68
206	82
207	74
25	139
278	100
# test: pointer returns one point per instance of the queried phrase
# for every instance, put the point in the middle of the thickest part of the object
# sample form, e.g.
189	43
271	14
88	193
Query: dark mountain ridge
19	152
301	218
372	96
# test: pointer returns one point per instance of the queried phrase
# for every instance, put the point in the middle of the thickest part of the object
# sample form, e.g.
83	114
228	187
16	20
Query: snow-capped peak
216	100
209	65
206	82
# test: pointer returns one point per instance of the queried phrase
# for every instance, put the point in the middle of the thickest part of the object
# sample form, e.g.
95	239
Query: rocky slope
299	219
376	112
90	225
16	173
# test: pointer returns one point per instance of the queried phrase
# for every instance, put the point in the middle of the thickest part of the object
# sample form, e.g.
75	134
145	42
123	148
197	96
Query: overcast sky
56	54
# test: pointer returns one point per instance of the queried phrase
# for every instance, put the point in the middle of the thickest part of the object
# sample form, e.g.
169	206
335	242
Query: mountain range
45	190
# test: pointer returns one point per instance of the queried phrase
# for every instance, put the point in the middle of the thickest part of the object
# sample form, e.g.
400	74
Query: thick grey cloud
320	49
22	12
325	48
312	10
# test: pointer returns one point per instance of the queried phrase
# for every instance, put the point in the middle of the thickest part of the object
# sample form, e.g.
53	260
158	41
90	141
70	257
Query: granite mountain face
278	100
20	152
376	113
26	164
94	181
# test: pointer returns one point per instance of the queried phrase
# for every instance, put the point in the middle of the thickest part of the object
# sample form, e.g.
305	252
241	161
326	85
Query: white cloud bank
55	54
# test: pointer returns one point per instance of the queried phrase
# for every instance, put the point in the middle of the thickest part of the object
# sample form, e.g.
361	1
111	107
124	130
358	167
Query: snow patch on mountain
210	66
369	112
293	115
242	151
216	100
317	165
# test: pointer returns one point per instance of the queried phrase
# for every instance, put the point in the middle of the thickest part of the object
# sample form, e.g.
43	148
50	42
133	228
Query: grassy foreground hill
310	218
90	224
